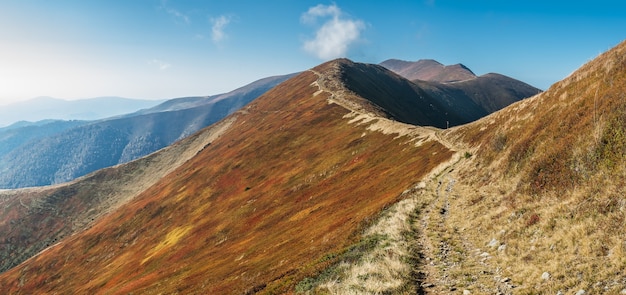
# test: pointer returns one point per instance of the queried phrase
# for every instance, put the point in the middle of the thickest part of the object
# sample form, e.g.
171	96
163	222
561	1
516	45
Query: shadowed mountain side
476	98
403	100
494	92
32	219
429	70
491	92
277	198
42	159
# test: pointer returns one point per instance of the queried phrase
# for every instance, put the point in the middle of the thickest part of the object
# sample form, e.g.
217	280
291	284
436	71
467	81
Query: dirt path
422	252
451	264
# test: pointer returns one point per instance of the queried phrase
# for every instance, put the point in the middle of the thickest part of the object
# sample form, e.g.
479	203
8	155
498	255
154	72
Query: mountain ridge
44	107
527	198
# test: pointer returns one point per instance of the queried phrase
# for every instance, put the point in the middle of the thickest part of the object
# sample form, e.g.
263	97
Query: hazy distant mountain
31	157
239	96
42	108
429	70
16	135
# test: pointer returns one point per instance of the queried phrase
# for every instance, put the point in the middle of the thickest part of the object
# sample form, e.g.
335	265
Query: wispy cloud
334	37
174	12
218	26
161	65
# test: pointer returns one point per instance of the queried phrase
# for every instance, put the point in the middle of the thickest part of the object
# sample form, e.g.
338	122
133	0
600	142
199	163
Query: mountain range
61	151
46	108
345	179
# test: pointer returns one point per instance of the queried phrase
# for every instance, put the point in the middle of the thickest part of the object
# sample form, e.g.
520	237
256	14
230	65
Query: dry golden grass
383	268
548	182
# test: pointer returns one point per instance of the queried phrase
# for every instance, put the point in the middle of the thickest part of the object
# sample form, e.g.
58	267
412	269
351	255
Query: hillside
32	219
36	156
33	158
540	206
16	135
305	155
493	92
483	95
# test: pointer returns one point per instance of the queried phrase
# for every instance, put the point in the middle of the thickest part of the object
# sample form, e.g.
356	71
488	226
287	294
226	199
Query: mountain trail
450	262
419	252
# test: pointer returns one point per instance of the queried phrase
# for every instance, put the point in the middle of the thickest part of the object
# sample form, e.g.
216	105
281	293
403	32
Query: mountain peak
429	70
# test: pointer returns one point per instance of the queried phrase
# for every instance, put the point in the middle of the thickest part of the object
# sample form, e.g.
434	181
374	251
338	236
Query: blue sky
159	49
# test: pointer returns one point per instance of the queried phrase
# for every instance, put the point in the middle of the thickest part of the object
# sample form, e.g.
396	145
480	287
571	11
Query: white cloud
161	65
320	11
334	37
177	14
218	26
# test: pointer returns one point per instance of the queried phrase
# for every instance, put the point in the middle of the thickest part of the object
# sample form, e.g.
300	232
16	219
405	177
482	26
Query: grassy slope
34	218
547	181
262	207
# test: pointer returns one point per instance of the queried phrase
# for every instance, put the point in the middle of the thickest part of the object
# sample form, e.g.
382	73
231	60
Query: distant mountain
42	108
429	70
31	157
239	96
18	134
483	95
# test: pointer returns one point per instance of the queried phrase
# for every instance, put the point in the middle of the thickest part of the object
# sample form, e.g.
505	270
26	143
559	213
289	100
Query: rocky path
451	264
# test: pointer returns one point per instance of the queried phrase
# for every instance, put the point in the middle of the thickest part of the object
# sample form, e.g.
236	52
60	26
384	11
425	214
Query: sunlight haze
157	49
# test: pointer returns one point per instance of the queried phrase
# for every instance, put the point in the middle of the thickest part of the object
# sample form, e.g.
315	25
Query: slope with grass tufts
535	205
542	199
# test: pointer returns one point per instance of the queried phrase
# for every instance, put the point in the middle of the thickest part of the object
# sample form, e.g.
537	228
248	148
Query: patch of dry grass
384	267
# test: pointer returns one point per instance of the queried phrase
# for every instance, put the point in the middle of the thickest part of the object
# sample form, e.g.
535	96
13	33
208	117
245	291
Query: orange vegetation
291	183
